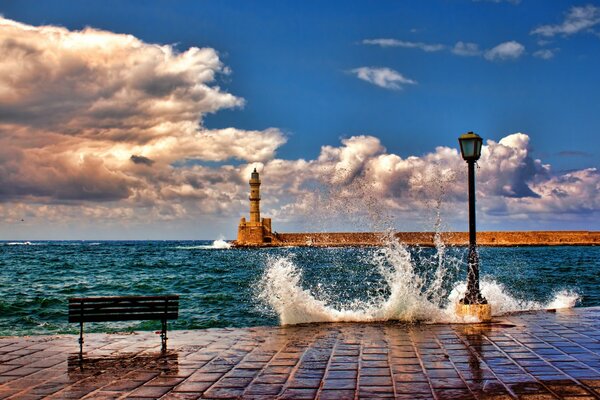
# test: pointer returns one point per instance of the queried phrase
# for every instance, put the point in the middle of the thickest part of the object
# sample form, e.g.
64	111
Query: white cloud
545	54
96	116
504	51
361	179
510	50
578	19
466	49
406	44
383	77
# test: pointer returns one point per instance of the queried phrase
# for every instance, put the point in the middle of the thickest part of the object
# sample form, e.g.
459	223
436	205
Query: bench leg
81	340
163	336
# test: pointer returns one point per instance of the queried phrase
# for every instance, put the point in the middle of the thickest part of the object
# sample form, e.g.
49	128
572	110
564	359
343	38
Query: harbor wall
494	239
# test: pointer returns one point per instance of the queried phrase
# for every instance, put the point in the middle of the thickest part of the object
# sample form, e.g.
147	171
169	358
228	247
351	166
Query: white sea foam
19	243
221	244
412	297
218	244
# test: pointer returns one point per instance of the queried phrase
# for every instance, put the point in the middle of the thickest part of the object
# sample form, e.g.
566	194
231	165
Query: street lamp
473	304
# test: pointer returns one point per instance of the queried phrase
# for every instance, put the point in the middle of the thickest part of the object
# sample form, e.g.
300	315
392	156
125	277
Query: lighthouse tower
256	231
254	197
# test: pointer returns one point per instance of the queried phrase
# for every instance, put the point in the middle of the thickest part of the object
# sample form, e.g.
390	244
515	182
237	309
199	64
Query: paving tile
339	384
194	387
413	387
375	381
180	396
335	374
451	394
336	395
223	393
264	389
233	383
298	383
299	394
205	376
375	372
407	377
152	392
275	378
122	386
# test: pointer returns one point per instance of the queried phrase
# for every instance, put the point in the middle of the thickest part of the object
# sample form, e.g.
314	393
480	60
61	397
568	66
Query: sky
144	119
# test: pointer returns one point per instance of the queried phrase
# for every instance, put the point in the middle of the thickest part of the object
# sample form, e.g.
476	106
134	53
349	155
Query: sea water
222	286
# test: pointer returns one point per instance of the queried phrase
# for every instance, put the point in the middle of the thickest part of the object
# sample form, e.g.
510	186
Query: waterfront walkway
540	355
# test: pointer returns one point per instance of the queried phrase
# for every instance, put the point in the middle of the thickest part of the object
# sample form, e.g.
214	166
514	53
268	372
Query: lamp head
470	146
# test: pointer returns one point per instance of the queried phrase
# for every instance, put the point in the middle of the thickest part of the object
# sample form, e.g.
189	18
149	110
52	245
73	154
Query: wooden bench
128	308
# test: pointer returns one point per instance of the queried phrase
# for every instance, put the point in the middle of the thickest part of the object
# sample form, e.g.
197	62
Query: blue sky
296	67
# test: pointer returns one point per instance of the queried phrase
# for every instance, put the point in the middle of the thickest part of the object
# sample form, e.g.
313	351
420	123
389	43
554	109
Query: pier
533	355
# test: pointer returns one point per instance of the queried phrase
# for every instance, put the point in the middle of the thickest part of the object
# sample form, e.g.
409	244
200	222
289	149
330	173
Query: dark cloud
141	160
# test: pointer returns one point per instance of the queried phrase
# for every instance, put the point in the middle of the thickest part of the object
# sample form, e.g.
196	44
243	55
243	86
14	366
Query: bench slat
158	306
126	301
120	298
123	317
147	310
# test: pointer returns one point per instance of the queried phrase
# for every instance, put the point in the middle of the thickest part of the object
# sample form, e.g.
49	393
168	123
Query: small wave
218	244
19	244
221	244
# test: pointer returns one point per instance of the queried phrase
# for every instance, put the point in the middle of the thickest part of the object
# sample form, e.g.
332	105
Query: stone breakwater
426	239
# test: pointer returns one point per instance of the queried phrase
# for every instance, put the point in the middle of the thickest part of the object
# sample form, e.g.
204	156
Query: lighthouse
254	196
257	230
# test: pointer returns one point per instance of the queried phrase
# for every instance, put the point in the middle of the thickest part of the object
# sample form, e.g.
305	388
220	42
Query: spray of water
412	294
221	244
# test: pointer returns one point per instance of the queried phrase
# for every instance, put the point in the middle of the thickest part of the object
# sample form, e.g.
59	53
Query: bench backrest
130	308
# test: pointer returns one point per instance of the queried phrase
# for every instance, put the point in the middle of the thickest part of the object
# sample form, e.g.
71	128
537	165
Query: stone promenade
540	355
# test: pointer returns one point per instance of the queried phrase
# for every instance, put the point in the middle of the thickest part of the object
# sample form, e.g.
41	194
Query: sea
220	286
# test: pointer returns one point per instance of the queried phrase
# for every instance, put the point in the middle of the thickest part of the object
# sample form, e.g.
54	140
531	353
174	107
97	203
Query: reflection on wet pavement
539	355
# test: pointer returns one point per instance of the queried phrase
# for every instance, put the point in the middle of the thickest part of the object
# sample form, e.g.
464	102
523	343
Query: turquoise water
222	287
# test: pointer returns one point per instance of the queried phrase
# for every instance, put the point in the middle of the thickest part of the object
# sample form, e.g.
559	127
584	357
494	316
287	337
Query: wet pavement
538	355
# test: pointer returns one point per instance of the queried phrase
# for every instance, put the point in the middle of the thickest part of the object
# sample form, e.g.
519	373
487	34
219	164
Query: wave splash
218	244
410	296
221	244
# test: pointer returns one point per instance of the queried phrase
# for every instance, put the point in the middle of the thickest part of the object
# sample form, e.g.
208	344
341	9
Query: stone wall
497	239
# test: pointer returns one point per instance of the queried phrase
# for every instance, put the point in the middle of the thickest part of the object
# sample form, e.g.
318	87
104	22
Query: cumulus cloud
510	50
577	19
386	78
382	42
466	49
84	114
360	177
359	180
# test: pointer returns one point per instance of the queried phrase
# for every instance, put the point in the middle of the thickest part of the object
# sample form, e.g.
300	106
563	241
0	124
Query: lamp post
473	304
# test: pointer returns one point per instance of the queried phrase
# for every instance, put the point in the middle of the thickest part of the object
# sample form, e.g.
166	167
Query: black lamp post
470	148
